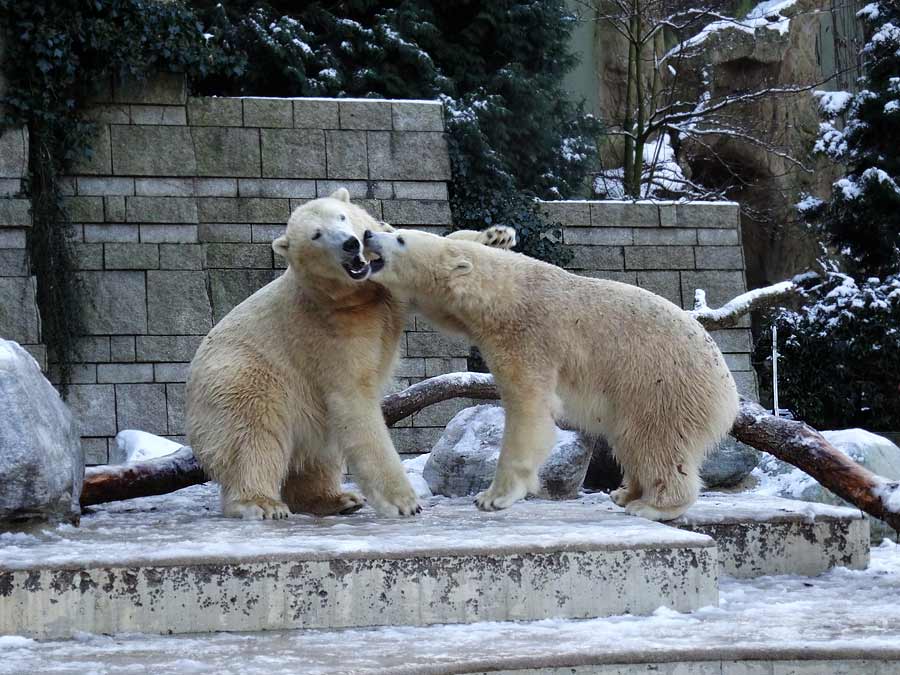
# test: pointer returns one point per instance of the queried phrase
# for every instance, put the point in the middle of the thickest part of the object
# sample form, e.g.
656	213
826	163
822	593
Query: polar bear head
410	259
324	239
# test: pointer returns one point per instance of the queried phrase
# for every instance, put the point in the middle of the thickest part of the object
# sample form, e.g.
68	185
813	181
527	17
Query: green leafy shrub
840	353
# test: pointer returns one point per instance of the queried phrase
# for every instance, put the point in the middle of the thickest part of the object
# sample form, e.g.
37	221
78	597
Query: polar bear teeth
357	268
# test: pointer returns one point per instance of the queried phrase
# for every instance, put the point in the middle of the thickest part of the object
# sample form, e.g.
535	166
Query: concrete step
171	565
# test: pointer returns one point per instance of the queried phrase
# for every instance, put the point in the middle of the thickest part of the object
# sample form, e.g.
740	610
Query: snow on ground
843	609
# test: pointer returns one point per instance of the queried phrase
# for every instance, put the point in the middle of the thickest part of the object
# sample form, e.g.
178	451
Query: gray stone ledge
214	111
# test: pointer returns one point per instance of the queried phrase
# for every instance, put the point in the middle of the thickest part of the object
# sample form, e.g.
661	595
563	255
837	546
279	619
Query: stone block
178	303
718	237
97	157
436	344
346	154
440	366
169	234
114	209
316	114
659	258
732	340
238	256
216	187
418	116
226	151
121	348
79	373
131	256
358	189
717	215
720	286
416	212
142	406
719	257
569	214
94	408
266	234
244	210
13	238
10	187
175	408
596	258
624	214
152	151
415	440
214	112
180	257
439	414
161	89
105	186
745	380
161	209
738	362
92	348
166	347
95	451
666	284
612	275
14	262
164	115
231	287
417	190
668	215
108	113
226	232
599	236
268	112
171	372
111	232
113	303
13	152
84	209
274	187
673	236
293	153
410	367
15	212
374	114
19	319
163	187
408	156
116	373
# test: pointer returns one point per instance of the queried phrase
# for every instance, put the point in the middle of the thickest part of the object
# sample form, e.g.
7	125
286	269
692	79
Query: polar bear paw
642	509
349	502
499	236
257	508
496	498
399	501
623	496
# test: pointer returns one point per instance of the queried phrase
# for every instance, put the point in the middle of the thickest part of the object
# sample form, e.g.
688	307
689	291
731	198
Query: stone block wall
176	208
669	248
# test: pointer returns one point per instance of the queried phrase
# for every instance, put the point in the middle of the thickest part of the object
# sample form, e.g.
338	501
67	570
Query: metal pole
775	371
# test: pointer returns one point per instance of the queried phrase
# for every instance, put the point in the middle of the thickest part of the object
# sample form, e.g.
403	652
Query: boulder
727	465
464	458
876	453
41	460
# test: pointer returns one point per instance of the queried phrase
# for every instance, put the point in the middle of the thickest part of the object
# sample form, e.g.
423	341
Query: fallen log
794	442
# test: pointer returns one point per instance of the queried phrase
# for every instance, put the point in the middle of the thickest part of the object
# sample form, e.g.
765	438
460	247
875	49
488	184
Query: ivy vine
56	51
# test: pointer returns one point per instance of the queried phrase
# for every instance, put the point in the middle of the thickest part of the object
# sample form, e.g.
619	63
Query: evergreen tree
862	219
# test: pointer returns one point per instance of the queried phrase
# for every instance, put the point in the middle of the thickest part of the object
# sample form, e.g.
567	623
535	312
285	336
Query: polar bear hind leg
314	487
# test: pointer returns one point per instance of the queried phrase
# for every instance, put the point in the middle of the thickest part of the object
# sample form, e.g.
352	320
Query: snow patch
138	446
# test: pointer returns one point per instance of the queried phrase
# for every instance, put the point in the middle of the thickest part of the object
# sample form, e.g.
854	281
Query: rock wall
175	211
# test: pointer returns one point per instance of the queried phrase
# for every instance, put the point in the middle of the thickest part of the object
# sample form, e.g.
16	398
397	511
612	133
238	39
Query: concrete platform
182	569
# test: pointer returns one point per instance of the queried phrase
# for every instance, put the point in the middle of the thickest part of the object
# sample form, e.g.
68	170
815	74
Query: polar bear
613	359
288	385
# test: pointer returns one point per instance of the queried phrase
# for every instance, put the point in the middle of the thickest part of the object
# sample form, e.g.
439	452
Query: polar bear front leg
496	236
527	440
359	429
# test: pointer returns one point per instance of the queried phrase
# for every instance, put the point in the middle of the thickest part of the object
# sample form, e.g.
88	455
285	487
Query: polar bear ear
280	246
459	267
341	194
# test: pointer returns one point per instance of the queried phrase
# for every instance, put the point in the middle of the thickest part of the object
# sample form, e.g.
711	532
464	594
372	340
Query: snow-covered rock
464	459
139	446
414	468
876	453
41	460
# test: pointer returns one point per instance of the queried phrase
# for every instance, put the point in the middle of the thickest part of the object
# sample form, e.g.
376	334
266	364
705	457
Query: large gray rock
876	453
41	460
464	459
728	464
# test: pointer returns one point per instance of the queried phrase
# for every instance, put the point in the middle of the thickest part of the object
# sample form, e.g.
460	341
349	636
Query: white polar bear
622	362
288	385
